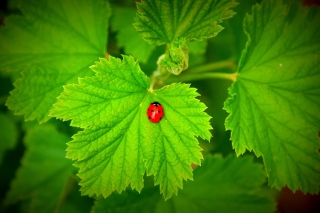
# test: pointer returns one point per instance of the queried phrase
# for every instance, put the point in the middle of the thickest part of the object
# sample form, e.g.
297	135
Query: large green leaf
119	144
53	43
220	185
274	104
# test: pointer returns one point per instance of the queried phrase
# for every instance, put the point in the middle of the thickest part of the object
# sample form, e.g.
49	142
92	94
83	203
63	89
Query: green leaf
274	104
53	44
220	185
162	22
119	143
44	170
9	135
122	21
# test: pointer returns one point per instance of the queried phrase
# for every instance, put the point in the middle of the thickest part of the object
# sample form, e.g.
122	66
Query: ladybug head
156	104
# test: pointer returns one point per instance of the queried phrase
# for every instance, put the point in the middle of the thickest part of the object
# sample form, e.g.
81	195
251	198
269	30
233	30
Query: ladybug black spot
152	110
159	111
149	117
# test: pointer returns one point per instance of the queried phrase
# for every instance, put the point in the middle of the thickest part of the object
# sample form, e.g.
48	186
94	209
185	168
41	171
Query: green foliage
274	105
197	47
33	98
162	22
44	172
122	20
119	142
209	192
127	37
124	162
9	134
53	46
176	22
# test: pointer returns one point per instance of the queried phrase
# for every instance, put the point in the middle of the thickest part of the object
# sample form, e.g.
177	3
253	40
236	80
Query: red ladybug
155	112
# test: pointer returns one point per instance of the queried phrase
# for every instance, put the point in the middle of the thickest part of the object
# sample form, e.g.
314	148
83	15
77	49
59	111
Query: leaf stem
159	75
195	77
213	66
70	182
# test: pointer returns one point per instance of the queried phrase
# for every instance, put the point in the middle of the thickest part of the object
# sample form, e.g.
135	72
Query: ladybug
155	112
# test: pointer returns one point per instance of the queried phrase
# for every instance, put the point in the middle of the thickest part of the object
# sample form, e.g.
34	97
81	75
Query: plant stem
195	77
159	75
213	66
197	73
70	183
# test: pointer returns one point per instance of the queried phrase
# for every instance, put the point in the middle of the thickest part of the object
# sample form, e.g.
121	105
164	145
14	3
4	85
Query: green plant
271	69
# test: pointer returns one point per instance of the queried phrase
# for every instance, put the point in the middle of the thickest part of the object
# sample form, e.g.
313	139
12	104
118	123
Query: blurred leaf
9	134
127	36
53	43
220	185
44	170
74	202
197	47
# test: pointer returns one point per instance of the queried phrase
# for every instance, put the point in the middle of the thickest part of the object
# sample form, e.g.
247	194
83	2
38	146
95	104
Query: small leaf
44	170
119	143
162	22
274	104
209	192
58	41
